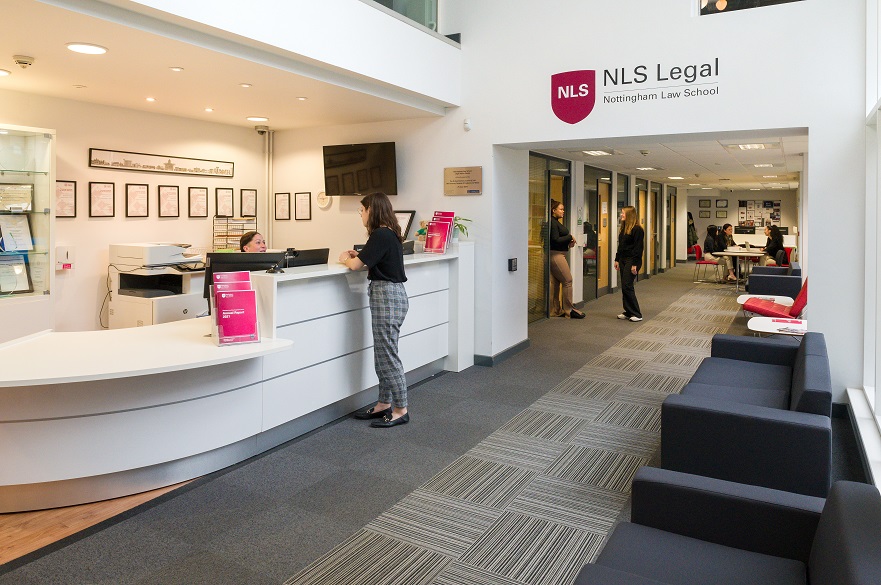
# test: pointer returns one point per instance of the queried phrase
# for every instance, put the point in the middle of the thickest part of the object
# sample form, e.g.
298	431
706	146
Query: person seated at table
773	245
252	242
710	242
720	244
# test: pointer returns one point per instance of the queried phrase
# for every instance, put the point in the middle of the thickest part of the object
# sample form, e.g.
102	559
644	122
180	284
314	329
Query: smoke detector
23	61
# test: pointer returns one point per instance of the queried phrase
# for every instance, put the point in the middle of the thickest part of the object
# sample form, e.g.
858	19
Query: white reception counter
94	415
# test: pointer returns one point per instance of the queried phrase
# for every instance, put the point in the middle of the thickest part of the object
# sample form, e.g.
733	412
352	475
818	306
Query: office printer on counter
154	283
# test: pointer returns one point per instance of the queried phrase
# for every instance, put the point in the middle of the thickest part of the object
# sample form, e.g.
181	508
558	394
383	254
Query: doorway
656	190
642	198
671	227
548	178
596	229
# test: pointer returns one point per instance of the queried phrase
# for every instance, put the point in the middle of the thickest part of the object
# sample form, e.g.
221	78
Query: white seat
786	301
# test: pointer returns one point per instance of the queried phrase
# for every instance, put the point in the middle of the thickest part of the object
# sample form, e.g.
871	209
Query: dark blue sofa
775	280
756	411
693	530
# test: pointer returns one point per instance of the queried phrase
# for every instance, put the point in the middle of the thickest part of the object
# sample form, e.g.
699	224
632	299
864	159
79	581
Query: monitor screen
236	261
359	169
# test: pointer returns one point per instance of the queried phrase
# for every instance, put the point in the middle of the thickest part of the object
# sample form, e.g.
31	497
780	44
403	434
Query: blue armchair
775	280
757	412
697	530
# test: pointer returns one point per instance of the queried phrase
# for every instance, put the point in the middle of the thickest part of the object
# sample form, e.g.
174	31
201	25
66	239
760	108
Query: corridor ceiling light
751	146
676	178
694	184
646	169
769	176
151	99
706	188
754	189
4	131
245	85
302	99
763	165
176	69
209	109
4	73
597	152
86	48
257	119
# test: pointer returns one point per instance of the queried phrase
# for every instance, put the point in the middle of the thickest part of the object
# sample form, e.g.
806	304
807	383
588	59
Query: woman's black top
772	247
560	236
383	254
709	245
630	247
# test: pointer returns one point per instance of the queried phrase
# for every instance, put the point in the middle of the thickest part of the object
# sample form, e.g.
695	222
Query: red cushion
766	308
800	301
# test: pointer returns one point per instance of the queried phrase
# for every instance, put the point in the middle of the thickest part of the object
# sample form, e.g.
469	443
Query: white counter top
80	356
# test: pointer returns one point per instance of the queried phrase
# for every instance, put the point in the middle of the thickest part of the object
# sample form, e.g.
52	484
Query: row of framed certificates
102	200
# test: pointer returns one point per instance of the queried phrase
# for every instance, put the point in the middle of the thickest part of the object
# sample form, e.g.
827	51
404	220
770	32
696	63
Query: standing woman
560	242
383	255
628	260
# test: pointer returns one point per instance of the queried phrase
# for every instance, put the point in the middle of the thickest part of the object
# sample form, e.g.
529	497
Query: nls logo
573	94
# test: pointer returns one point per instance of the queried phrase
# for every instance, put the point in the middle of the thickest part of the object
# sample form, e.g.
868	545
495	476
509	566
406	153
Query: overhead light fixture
751	146
151	99
705	188
4	131
79	86
4	73
769	176
646	169
302	99
209	109
694	184
763	165
755	189
245	85
176	69
676	178
257	119
597	152
86	48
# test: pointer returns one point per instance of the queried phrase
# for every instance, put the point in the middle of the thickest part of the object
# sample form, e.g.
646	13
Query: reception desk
93	415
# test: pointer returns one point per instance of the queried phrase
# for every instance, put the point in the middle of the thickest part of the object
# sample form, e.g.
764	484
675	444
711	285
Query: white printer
159	254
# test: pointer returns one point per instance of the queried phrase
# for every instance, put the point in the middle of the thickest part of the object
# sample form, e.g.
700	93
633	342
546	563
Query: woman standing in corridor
561	277
628	261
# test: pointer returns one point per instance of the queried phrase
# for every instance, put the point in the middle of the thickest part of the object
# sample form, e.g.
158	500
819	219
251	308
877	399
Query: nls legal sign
574	93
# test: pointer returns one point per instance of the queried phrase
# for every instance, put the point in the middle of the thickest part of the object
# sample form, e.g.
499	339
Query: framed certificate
16	197
15	233
248	202
169	201
65	198
282	206
14	275
303	206
223	202
102	199
198	198
137	200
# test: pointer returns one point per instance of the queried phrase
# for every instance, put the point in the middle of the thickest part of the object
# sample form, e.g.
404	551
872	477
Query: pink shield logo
573	94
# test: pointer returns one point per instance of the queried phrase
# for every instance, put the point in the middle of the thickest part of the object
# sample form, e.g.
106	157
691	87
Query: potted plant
459	225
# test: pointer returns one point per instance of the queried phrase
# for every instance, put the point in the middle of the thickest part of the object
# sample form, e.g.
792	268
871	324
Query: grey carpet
270	518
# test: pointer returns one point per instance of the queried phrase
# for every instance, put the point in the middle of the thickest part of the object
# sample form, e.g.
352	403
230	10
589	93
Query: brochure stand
234	309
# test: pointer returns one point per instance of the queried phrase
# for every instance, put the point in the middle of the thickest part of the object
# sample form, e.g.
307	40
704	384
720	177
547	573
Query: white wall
79	293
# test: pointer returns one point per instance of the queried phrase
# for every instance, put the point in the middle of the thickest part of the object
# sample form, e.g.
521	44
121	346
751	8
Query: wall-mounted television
359	169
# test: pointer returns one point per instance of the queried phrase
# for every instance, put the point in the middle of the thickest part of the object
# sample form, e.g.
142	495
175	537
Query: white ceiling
138	65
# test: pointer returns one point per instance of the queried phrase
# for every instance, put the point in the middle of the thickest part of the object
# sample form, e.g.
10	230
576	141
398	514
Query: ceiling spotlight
245	85
209	109
176	69
302	99
676	178
754	189
646	169
763	165
86	48
151	99
257	119
4	73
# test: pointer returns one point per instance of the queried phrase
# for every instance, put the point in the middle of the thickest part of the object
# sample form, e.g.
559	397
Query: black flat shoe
371	413
576	315
388	421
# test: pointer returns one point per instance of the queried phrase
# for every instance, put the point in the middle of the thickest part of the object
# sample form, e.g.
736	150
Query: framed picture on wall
282	206
704	214
65	198
169	201
198	199
223	202
102	199
704	203
721	214
303	206
721	203
248	202
137	200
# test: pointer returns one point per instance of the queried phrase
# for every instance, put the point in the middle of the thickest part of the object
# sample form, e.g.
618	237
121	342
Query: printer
159	254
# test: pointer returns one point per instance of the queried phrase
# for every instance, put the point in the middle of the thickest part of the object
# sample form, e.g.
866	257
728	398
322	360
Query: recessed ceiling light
176	69
763	165
79	86
646	169
4	131
245	85
597	152
86	48
769	176
694	184
151	99
4	73
302	99
676	178
209	109
751	146
257	119
755	189
706	188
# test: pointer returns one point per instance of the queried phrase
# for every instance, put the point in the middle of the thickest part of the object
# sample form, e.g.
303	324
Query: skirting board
490	361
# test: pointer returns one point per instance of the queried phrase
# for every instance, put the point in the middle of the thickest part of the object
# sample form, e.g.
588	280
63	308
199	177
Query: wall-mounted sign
463	181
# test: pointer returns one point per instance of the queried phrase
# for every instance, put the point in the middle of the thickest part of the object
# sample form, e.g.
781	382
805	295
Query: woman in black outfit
773	245
383	255
628	260
561	277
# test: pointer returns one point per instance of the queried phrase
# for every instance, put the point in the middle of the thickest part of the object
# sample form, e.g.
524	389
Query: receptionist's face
257	244
364	214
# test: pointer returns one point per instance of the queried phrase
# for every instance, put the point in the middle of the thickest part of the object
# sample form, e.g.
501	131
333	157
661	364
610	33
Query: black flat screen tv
359	169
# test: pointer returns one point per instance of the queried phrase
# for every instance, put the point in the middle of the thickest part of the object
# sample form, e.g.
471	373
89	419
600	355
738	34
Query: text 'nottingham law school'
703	73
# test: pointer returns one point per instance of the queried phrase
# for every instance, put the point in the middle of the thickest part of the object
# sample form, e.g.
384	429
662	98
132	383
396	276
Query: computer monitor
294	257
239	261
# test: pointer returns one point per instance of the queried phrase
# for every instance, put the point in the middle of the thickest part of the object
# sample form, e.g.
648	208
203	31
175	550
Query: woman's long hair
776	235
380	213
630	219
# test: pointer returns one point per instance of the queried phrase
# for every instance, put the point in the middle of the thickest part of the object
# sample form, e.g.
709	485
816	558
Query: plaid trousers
388	307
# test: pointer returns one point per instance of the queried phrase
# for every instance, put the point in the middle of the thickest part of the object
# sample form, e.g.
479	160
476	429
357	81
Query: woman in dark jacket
561	277
773	245
628	261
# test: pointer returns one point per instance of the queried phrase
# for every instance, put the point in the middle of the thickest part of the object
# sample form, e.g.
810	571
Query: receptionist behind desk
252	242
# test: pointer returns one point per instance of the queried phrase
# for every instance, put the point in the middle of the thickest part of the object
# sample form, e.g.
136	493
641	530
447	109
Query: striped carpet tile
636	442
659	382
544	425
479	481
532	550
597	467
458	573
623	414
586	388
566	405
442	524
367	558
570	503
642	397
518	451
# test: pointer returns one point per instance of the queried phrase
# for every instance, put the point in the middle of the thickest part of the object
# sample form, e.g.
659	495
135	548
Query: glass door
548	179
655	222
671	227
597	199
642	197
